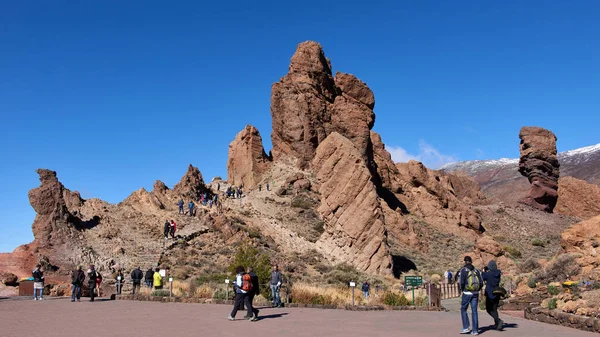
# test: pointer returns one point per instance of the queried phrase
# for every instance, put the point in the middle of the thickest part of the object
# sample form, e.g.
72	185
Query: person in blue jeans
38	283
365	289
77	279
469	283
275	283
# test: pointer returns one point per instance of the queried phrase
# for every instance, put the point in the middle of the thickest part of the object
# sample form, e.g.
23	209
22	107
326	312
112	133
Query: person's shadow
493	327
272	316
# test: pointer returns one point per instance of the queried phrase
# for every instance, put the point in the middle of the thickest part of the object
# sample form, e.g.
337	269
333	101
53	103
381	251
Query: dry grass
341	296
204	291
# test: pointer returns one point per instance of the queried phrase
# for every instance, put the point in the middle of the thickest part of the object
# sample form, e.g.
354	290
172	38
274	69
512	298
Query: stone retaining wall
557	317
290	305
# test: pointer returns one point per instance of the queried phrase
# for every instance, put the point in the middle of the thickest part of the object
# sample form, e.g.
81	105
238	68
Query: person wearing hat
469	283
77	279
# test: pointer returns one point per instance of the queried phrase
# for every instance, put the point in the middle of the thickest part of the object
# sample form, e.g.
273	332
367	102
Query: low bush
531	283
395	299
553	290
538	242
512	251
552	304
160	293
529	265
559	269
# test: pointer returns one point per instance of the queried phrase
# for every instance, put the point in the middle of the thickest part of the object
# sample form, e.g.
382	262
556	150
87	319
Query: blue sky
114	95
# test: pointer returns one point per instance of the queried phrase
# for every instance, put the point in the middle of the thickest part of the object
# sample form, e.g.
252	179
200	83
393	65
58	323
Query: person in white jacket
241	295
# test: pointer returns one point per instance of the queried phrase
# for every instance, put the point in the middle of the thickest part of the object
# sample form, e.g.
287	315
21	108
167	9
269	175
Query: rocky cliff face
540	165
578	198
308	104
583	239
247	161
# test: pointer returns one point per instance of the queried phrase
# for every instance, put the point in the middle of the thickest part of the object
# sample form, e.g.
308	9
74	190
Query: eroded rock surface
247	161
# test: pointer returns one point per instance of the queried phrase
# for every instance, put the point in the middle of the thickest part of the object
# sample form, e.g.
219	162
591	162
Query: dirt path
60	317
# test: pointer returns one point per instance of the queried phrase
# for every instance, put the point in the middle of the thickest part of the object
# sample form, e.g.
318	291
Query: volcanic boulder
308	104
354	221
247	158
540	165
191	186
578	198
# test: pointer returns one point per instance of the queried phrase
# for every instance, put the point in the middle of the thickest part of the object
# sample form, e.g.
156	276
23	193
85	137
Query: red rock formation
539	164
191	186
309	103
247	158
355	224
578	198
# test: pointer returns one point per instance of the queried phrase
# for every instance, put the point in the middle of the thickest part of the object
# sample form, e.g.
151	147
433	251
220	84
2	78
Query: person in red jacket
173	229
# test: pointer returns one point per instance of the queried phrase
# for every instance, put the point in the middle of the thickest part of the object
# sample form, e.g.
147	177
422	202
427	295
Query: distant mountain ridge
501	179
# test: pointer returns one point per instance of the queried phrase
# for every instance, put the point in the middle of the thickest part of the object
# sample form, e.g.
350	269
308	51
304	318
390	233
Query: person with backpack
38	283
448	276
275	283
136	277
157	277
491	275
253	292
93	277
180	204
149	278
469	283
241	286
77	279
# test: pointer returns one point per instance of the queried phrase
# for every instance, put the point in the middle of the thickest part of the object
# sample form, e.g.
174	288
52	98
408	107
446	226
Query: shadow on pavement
260	318
493	327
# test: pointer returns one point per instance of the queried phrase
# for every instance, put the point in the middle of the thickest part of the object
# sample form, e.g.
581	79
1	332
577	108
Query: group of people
470	283
78	277
246	286
169	229
236	192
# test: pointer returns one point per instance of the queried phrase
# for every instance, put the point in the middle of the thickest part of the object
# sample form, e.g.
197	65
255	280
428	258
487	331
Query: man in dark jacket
255	291
491	275
166	229
77	279
275	283
136	277
469	283
93	277
149	278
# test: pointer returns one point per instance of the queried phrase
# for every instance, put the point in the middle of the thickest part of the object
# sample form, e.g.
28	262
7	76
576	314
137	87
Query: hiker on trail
210	203
180	204
268	187
365	288
241	286
120	278
191	207
149	277
469	283
275	283
491	275
241	191
77	279
167	229
448	276
38	283
172	229
136	276
253	292
157	279
93	282
259	187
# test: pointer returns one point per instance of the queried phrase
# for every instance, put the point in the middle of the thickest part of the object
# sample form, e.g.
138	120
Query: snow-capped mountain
500	178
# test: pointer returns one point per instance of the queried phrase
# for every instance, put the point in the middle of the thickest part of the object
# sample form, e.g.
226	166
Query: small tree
249	256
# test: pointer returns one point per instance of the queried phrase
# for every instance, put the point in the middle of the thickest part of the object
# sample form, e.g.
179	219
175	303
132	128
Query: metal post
170	286
352	296
413	295
429	297
227	291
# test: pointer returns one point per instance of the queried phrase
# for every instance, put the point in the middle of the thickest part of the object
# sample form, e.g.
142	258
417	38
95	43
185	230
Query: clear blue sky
116	94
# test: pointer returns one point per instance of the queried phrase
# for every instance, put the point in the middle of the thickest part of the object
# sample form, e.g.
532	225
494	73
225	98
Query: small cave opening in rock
401	264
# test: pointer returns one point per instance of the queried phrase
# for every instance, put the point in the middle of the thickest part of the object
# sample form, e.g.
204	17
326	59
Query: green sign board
413	281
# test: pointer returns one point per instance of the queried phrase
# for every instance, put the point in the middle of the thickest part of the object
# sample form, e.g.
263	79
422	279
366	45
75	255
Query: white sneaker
231	318
35	298
464	331
41	299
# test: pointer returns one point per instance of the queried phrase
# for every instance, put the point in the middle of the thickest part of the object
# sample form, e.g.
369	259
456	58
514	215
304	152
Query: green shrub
596	286
254	233
512	251
160	293
553	290
302	201
531	283
500	210
422	301
221	294
396	300
215	278
552	304
248	256
538	243
559	269
529	265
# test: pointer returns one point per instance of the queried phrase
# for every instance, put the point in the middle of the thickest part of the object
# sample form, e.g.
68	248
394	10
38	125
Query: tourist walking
149	278
77	279
166	229
191	207
365	289
120	278
172	229
275	283
241	286
492	275
38	283
93	277
253	292
158	284
137	275
180	204
469	283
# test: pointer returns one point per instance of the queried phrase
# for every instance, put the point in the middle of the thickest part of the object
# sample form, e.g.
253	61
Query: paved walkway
60	317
